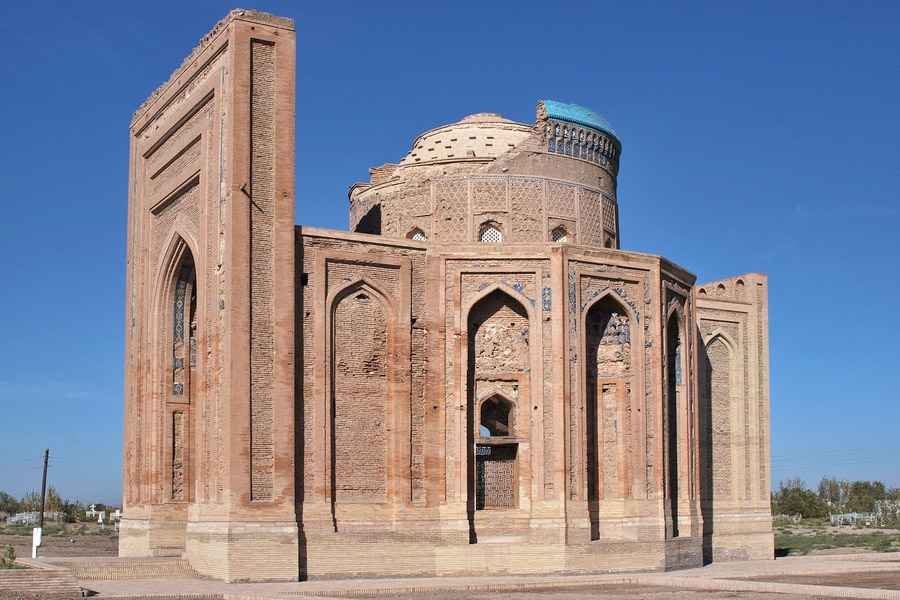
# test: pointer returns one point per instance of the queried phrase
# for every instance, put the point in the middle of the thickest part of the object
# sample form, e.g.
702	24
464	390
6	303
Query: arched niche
723	414
674	418
361	332
609	382
498	333
177	380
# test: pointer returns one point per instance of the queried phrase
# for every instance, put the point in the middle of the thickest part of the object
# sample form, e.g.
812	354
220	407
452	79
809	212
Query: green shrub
8	560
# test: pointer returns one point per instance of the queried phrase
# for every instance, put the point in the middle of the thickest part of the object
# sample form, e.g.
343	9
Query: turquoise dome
578	115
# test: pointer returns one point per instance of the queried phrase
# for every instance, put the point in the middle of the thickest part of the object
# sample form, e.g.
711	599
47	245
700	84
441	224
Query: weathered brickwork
178	455
262	322
360	423
608	400
733	374
716	375
477	379
500	343
210	283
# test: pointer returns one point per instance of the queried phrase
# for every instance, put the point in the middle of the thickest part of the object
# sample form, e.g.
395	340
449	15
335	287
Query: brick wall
360	424
212	185
262	297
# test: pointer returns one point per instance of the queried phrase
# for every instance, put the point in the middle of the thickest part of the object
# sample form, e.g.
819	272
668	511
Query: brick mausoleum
476	379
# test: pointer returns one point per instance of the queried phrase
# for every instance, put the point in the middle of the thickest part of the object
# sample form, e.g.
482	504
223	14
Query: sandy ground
607	592
90	544
879	580
886	578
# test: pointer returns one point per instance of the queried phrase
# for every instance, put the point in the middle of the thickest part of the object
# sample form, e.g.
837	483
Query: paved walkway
731	576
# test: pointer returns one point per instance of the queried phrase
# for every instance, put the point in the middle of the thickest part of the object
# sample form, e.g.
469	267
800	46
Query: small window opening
558	235
496	418
490	233
417	235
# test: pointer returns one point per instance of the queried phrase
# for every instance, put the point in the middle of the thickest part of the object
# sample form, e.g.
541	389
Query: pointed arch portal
608	400
498	358
177	318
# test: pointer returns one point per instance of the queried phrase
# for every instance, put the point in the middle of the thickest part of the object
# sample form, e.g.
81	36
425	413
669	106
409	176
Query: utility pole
44	487
39	530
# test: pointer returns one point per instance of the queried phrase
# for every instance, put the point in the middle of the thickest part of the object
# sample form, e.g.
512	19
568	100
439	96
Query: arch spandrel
361	283
179	240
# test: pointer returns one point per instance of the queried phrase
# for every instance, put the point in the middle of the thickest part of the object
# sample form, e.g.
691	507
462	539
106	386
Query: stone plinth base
246	551
161	533
343	556
739	536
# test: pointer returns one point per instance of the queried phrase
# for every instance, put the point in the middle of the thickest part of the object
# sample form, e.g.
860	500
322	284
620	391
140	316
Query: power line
838	460
855	450
836	463
84	460
20	461
5	454
841	455
22	470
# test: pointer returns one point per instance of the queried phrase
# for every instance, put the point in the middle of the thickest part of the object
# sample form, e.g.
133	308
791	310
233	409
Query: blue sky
756	137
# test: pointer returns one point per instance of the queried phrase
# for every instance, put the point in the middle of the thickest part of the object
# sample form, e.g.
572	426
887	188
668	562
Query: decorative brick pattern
342	271
609	215
719	390
527	219
178	456
174	169
495	477
451	210
168	158
489	194
164	220
591	212
500	327
608	342
262	322
560	199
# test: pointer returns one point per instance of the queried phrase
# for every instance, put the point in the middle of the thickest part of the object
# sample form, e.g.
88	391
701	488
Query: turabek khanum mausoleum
475	379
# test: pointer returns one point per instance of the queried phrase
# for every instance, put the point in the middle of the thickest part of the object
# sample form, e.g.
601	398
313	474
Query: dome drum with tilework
554	181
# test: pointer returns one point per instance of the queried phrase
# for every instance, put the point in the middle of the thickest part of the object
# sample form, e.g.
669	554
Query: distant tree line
836	496
31	502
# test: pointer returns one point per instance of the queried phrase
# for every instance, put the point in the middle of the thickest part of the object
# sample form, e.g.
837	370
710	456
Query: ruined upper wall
252	16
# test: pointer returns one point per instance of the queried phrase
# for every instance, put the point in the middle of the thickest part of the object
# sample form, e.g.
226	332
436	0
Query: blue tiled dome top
578	115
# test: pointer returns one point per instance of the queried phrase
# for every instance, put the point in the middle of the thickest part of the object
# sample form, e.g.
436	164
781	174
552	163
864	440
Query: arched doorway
498	381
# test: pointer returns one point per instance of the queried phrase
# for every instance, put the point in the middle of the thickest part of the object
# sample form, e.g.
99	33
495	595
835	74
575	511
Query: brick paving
719	580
